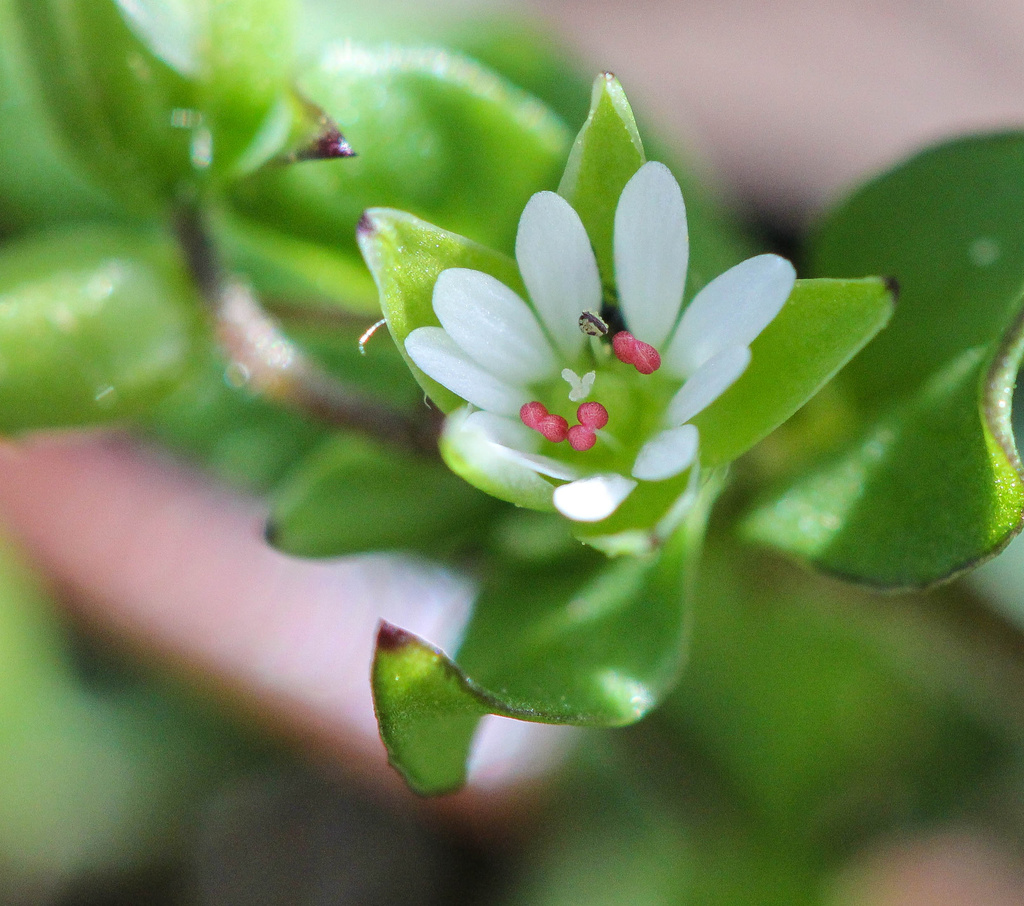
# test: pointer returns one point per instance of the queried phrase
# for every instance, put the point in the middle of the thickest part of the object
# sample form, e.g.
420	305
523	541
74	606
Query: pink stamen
554	428
581	437
532	414
592	415
642	356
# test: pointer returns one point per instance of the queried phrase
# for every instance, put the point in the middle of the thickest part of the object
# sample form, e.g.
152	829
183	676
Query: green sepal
588	642
95	324
435	134
823	325
604	157
353	495
924	480
405	256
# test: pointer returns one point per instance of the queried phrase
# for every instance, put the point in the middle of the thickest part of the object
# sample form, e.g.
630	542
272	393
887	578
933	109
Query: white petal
707	384
593	499
558	268
508	432
730	311
667	454
517	443
437	355
652	247
544	465
491	323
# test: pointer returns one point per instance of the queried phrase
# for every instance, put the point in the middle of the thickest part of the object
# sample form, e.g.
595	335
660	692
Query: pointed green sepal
606	154
405	256
823	324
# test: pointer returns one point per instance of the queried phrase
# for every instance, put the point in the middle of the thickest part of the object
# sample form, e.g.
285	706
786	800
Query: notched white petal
707	384
593	499
667	454
558	267
730	311
493	325
651	247
437	355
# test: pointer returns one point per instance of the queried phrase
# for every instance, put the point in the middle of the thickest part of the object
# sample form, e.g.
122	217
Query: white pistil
580	386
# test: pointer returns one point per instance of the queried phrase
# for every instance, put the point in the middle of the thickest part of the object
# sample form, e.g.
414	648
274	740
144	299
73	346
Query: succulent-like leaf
353	495
589	643
926	480
97	324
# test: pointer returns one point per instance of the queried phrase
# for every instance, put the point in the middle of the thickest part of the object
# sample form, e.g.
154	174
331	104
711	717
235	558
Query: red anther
623	345
642	356
554	428
581	437
646	358
592	415
531	414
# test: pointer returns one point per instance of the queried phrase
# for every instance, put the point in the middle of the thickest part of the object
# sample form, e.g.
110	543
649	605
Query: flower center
591	416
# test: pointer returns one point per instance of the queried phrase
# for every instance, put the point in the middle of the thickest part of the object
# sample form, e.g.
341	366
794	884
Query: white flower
522	369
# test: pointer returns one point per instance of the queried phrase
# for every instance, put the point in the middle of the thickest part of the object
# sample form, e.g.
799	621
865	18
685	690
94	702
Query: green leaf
95	324
352	495
925	482
40	182
586	642
606	154
294	271
436	135
823	324
405	256
248	65
111	100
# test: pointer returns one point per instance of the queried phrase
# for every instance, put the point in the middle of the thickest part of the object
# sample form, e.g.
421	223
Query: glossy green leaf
405	256
586	642
926	480
823	324
95	324
606	154
435	134
355	495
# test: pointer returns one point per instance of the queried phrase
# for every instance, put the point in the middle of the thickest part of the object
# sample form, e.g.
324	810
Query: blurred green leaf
828	715
95	324
927	481
40	182
590	643
435	134
353	495
125	114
